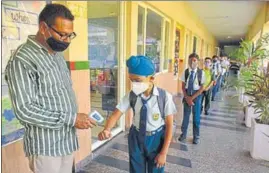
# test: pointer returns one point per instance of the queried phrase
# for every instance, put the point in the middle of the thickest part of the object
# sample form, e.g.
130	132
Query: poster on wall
176	56
19	19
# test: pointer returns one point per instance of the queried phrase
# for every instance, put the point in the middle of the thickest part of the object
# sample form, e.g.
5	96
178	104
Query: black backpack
199	75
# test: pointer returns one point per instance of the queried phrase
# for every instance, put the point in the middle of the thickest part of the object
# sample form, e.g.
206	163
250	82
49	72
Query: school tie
190	84
214	68
143	121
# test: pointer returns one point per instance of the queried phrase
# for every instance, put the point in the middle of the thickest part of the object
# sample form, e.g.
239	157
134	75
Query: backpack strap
187	73
161	101
212	75
132	100
199	75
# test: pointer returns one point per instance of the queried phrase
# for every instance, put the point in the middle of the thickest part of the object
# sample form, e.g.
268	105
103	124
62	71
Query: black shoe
196	141
206	113
182	138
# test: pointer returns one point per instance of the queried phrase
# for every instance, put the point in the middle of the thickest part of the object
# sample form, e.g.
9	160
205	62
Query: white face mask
139	87
194	65
208	65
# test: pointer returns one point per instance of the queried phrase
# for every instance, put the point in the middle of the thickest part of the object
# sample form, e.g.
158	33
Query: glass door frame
187	46
165	19
121	89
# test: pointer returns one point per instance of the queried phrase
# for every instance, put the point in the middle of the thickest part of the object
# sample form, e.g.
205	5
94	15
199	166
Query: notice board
19	19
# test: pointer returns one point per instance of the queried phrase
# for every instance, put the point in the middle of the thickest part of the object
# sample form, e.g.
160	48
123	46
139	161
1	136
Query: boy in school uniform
209	82
216	68
151	133
193	80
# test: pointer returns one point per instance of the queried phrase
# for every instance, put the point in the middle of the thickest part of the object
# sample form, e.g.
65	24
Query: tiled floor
224	146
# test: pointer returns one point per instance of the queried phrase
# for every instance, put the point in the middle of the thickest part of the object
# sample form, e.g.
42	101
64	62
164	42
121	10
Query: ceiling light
229	37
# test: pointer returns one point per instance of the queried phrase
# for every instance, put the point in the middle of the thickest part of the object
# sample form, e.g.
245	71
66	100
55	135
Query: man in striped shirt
42	96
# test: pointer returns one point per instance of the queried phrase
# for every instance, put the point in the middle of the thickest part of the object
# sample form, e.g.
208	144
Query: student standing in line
224	67
209	82
193	81
216	69
151	133
221	69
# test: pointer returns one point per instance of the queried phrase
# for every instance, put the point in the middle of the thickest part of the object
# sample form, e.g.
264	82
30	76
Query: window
207	49
153	37
186	50
194	44
103	46
140	31
166	45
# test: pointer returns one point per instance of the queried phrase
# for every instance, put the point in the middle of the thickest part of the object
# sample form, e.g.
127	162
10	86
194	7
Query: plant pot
250	114
259	148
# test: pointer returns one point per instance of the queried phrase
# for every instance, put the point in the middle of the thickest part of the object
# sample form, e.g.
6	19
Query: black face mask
57	46
214	60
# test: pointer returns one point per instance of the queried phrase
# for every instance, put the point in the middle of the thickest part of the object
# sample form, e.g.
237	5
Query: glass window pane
207	54
153	38
194	44
103	57
140	31
166	45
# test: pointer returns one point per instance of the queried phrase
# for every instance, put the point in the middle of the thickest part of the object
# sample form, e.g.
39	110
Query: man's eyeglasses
64	36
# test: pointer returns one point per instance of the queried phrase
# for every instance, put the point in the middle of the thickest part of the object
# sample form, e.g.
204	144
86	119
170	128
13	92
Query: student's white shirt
154	117
196	85
223	67
217	70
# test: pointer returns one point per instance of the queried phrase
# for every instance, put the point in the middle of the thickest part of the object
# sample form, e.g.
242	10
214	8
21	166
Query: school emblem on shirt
156	117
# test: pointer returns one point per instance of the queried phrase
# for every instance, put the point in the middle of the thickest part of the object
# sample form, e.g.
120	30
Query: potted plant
249	54
260	126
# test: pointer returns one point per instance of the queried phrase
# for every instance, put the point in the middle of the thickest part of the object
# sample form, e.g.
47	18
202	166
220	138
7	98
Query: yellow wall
259	21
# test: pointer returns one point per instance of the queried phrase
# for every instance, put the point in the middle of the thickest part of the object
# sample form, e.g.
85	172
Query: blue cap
140	65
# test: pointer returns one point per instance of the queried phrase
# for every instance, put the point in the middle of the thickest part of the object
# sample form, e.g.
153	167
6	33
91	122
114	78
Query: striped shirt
43	100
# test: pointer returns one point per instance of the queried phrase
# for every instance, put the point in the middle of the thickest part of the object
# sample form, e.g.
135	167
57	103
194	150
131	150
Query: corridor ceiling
228	21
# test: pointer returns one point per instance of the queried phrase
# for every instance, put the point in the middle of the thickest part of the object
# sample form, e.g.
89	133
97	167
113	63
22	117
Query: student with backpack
151	133
209	82
216	69
193	80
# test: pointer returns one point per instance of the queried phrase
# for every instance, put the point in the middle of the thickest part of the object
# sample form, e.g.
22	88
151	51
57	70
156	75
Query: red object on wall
72	66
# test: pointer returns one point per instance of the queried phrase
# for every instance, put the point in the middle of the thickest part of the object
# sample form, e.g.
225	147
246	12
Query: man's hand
189	101
160	160
83	121
105	134
215	83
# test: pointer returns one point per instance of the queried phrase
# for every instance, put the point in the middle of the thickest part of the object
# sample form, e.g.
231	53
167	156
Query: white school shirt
196	85
154	117
217	70
223	66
